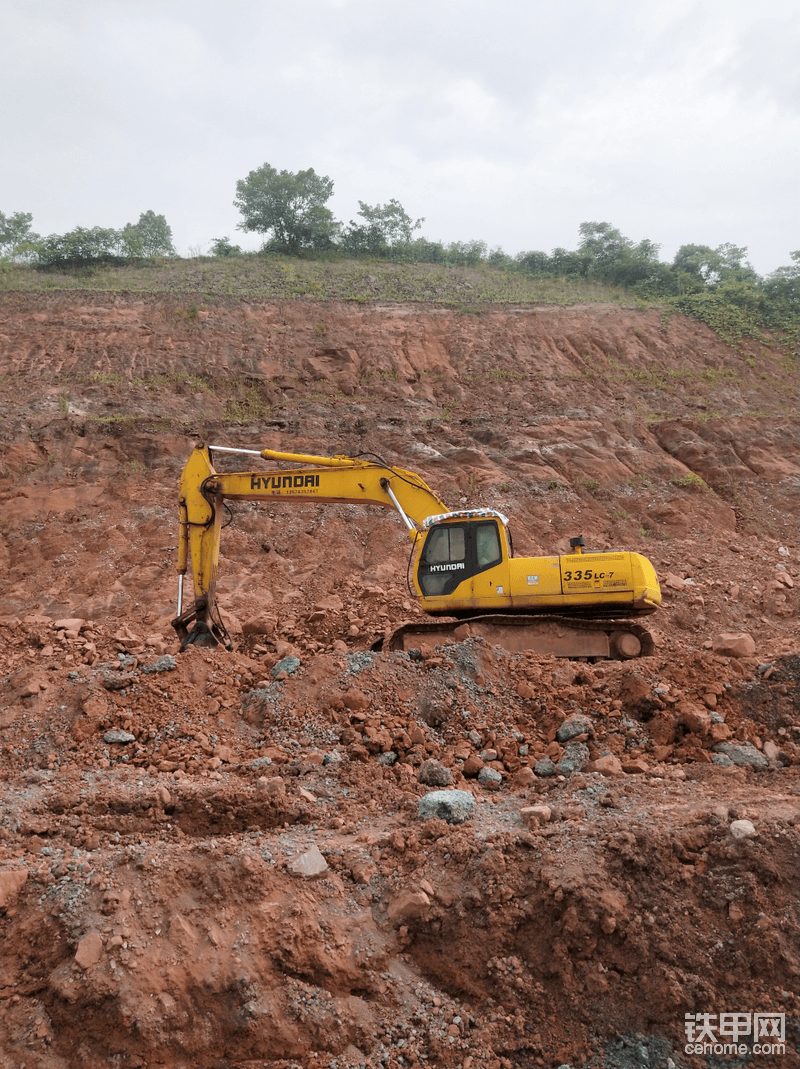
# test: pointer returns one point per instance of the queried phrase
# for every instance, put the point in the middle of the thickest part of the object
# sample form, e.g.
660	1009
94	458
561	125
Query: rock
261	762
662	727
167	663
356	700
534	815
635	765
308	865
117	735
771	751
452	806
544	768
722	760
363	871
472	766
733	644
525	691
719	731
11	883
434	774
574	759
489	777
289	665
157	642
695	719
636	693
742	753
182	933
743	829
408	905
118	680
524	777
609	764
564	674
273	786
90	950
263	624
332	757
390	758
73	624
673	582
573	726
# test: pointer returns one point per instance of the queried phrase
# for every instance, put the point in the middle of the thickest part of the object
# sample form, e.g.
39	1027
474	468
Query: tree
385	227
782	296
713	266
79	247
290	206
613	258
151	236
534	263
223	247
17	241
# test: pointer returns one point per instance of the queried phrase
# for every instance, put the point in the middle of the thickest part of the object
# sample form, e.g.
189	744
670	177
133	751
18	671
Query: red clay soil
241	875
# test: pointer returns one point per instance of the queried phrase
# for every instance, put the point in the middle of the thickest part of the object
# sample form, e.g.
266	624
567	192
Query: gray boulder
575	725
453	806
289	665
742	753
574	758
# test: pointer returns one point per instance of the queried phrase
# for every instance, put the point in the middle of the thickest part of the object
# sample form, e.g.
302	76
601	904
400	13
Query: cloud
508	121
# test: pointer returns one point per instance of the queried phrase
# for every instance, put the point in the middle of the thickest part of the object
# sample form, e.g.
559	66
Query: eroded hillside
243	876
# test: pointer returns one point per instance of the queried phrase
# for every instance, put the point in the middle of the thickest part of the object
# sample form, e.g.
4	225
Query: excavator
462	564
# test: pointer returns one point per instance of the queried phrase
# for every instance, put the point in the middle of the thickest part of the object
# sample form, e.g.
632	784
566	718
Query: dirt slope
244	877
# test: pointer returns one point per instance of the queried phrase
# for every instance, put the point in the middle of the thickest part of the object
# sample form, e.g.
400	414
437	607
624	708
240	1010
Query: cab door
490	579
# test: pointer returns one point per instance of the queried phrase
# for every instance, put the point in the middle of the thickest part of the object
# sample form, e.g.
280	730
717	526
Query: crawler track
557	635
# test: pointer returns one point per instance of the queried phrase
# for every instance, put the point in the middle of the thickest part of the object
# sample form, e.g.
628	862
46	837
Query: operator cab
458	546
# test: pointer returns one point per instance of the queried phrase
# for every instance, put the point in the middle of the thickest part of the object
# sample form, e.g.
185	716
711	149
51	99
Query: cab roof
465	514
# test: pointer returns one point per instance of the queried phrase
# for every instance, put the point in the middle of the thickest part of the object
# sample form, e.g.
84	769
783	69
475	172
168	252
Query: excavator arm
339	479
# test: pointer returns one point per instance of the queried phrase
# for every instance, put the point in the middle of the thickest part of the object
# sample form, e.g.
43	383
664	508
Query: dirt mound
216	859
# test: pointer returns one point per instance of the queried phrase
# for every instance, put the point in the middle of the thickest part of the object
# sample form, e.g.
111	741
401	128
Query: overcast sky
511	121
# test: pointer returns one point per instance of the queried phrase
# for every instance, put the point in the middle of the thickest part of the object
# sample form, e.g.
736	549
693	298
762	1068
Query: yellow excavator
573	605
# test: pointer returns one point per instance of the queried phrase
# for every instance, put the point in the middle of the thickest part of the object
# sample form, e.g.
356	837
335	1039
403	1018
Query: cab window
444	545
487	546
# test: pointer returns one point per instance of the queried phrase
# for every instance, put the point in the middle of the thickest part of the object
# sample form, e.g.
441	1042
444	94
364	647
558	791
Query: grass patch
690	481
466	289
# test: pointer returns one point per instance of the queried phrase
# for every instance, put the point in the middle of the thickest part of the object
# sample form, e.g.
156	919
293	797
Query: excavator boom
340	479
465	566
